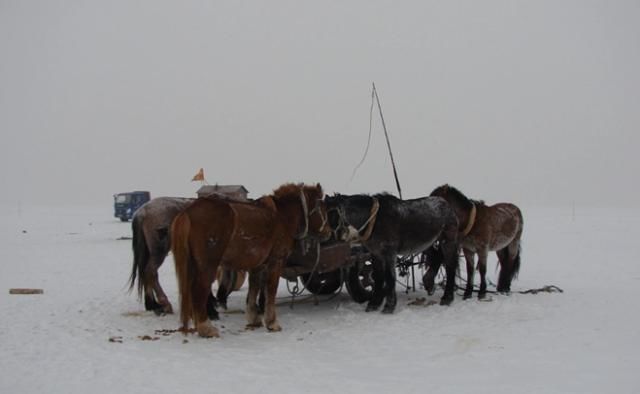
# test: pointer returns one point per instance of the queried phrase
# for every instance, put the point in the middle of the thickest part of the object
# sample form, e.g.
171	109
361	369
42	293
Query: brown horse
151	243
255	236
482	229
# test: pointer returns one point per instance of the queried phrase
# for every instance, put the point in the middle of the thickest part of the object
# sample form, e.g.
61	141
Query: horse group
218	233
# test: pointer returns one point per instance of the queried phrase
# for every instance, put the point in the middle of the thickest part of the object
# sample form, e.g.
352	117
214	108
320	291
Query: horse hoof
503	289
151	305
429	284
371	308
253	326
388	309
446	301
482	296
467	296
207	330
274	327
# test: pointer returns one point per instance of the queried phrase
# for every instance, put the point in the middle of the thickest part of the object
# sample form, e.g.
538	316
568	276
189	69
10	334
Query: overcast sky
535	102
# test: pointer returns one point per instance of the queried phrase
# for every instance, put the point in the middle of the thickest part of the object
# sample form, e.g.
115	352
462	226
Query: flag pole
386	135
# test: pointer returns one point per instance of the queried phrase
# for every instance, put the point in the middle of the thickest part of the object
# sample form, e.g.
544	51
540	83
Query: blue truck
126	204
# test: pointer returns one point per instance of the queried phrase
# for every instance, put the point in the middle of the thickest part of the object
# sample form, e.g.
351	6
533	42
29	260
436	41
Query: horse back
425	213
155	218
252	236
496	225
415	224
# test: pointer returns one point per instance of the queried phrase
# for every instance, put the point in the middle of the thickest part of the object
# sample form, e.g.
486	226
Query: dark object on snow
26	291
126	204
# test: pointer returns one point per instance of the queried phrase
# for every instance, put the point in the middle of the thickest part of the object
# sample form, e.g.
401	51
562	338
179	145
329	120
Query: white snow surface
585	340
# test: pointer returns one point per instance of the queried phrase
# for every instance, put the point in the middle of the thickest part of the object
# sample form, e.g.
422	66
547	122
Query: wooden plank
26	291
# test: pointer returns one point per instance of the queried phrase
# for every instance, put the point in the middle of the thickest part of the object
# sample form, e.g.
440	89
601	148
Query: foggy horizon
536	103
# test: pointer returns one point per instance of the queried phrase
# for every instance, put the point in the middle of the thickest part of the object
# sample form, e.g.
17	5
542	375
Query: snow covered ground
584	340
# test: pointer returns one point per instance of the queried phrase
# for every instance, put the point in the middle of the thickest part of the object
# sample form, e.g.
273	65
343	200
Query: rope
296	292
366	151
374	95
305	209
476	289
371	221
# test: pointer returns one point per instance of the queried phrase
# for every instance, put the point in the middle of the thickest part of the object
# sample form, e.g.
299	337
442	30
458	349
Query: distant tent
237	192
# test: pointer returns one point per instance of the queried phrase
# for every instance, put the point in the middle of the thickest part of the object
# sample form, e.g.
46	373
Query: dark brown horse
483	229
255	236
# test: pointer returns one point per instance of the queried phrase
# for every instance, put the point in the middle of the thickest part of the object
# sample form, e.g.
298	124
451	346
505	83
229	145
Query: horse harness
368	225
471	221
317	208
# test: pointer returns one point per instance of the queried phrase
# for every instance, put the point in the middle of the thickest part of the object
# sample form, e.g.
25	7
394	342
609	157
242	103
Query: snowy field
585	340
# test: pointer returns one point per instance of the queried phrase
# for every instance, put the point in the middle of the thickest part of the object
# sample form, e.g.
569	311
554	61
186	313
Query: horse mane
457	195
386	197
292	190
287	190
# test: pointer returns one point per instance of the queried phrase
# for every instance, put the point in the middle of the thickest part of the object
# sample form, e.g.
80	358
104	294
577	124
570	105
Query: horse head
336	217
440	191
315	212
308	201
350	216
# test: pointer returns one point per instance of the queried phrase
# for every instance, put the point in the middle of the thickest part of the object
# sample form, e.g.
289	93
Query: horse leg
482	267
378	270
271	290
211	307
434	261
252	313
152	287
163	301
390	280
450	253
226	282
201	293
469	257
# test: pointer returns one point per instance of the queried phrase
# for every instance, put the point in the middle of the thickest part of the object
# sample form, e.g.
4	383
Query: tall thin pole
386	135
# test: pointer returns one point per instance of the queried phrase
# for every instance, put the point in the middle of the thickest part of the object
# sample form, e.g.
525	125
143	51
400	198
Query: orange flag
199	176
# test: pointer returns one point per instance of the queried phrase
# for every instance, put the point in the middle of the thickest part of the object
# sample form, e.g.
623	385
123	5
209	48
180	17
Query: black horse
388	227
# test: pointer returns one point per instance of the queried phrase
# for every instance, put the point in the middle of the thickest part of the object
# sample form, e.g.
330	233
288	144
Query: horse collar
371	222
305	210
471	221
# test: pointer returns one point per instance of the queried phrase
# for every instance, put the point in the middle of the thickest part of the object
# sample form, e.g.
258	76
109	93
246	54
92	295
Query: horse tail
185	265
140	255
508	269
515	269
